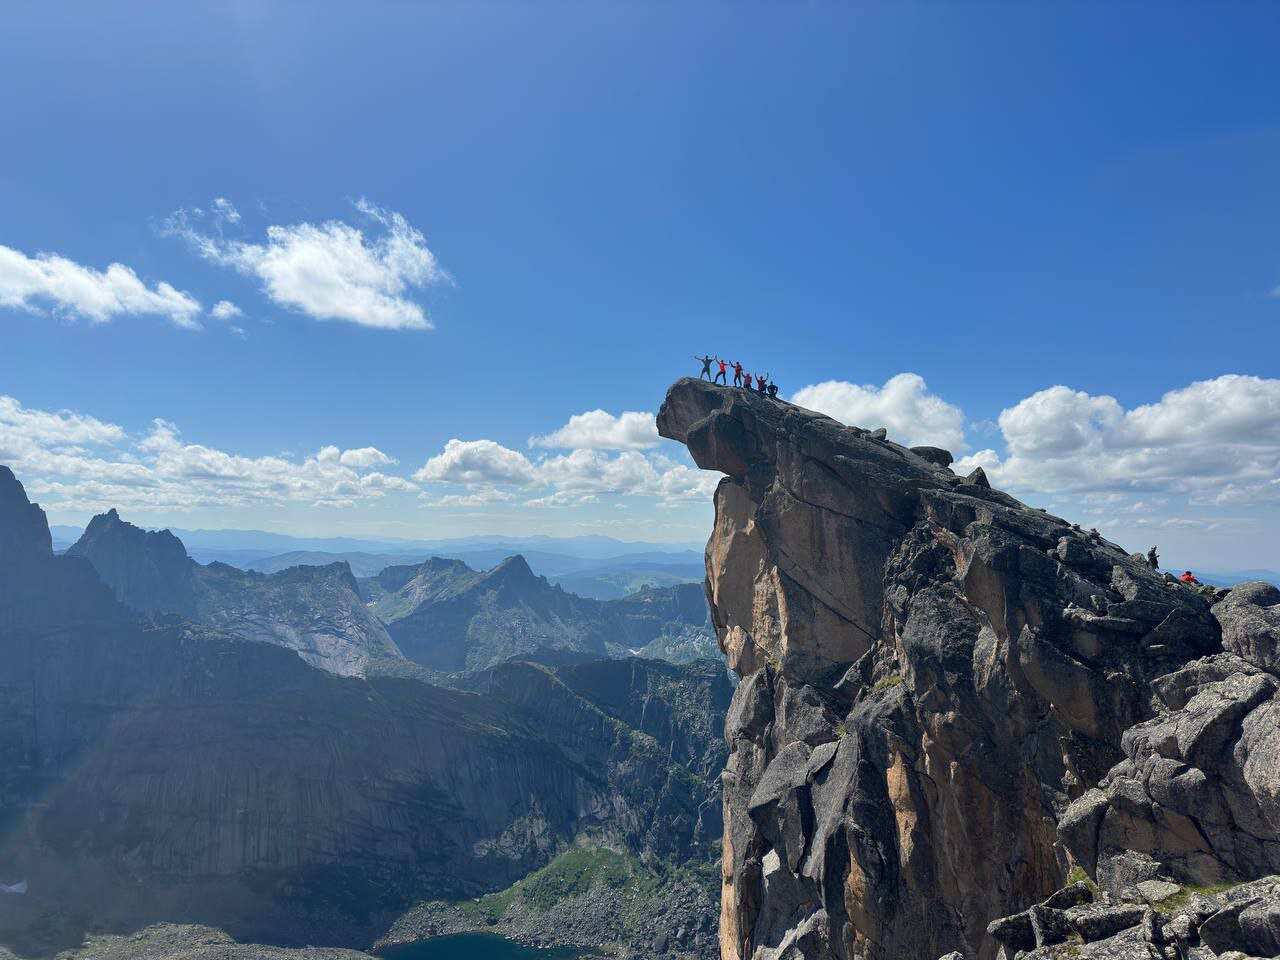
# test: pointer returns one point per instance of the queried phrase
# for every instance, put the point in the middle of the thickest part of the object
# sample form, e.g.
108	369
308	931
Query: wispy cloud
72	290
225	310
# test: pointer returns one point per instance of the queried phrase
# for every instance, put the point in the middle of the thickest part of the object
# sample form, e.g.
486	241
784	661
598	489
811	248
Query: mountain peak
514	571
24	529
146	570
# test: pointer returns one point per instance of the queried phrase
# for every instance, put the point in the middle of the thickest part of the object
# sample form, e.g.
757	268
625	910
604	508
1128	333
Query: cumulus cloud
582	475
1217	441
477	462
75	462
76	291
600	430
330	270
364	458
225	310
904	406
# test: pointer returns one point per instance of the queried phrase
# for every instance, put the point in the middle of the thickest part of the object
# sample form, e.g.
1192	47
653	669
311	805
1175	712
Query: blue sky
998	199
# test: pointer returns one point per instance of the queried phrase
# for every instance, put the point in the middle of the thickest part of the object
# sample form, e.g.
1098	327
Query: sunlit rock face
932	672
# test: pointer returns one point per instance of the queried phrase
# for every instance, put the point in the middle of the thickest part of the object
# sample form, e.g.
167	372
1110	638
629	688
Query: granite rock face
1196	797
931	673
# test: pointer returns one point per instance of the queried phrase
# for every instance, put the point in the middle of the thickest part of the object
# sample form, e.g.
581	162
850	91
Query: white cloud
225	310
481	497
600	430
331	270
365	457
49	429
904	406
579	476
79	463
1217	441
97	296
477	462
224	210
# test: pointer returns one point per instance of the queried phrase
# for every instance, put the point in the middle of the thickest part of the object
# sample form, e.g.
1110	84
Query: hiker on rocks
737	374
773	390
1189	579
1153	559
746	380
720	375
706	366
760	382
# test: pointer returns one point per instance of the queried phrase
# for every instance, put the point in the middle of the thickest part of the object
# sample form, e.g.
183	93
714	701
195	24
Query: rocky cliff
315	611
950	699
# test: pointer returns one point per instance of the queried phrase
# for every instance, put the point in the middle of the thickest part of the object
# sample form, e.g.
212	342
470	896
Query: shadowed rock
965	664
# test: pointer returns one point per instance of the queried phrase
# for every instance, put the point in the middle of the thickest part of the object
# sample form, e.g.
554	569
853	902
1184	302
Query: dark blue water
474	946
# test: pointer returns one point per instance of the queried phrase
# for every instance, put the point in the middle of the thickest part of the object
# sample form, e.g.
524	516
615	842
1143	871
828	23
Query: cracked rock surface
950	699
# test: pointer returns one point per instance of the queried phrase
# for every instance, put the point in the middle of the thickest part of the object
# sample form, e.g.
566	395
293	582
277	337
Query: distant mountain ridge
315	611
446	616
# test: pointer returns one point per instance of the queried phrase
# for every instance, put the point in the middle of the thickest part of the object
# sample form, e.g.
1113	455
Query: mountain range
439	613
159	762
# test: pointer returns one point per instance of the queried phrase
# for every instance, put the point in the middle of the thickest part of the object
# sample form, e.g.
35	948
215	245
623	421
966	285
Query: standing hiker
737	374
760	382
706	366
720	375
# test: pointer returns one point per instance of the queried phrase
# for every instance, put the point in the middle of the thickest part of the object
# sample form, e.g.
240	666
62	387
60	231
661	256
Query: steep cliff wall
932	672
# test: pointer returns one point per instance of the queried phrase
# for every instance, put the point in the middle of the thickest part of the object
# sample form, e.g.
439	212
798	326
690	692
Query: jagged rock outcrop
164	772
317	612
147	570
1195	801
35	585
932	672
448	617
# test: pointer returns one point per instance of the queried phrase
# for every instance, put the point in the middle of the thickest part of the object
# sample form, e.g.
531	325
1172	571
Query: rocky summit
952	703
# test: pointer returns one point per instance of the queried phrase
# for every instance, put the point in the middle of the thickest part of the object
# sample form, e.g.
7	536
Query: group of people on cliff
741	378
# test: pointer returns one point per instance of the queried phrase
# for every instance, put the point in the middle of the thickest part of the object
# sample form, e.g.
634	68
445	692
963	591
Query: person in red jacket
760	382
720	373
737	374
1189	578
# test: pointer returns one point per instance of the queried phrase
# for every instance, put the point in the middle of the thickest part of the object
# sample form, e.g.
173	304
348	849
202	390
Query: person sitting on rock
706	366
773	390
760	382
737	373
720	374
1189	579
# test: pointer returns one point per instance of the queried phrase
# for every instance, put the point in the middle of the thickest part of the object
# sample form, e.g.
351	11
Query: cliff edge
951	699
